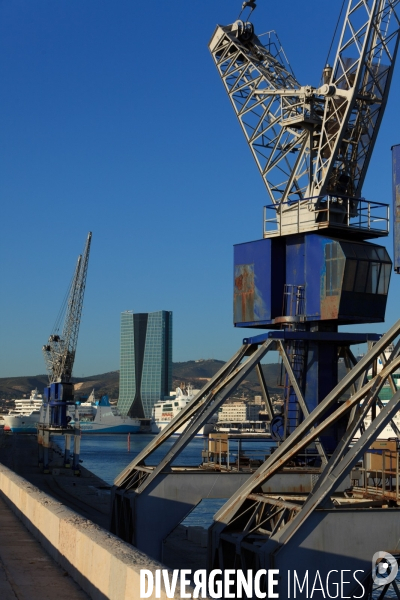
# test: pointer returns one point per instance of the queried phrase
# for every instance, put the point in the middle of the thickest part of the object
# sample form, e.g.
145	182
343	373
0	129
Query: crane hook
251	4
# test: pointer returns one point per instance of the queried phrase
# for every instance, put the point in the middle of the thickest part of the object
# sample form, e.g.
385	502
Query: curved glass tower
146	361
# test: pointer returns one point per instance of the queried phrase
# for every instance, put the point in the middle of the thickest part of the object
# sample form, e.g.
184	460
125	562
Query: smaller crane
59	352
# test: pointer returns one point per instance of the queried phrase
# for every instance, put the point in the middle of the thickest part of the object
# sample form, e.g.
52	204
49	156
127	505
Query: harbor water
107	455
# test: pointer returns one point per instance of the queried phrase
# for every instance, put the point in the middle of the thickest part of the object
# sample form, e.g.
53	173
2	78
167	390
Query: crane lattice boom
60	350
363	68
307	141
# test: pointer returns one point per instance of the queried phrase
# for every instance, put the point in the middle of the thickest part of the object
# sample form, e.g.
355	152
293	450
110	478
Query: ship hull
20	424
98	428
157	427
21	429
27	424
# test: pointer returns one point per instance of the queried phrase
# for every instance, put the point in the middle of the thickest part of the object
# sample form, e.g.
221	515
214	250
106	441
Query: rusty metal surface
244	293
330	307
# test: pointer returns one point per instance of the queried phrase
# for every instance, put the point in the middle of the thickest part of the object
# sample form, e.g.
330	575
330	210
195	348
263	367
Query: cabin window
334	260
349	275
361	276
367	269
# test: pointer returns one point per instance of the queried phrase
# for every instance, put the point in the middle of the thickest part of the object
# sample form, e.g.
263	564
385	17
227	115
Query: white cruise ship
27	405
94	416
164	412
24	416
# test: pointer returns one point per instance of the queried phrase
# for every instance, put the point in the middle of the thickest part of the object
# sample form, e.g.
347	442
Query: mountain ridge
194	372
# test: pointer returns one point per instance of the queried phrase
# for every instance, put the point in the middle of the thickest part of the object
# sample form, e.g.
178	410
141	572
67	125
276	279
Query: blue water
107	455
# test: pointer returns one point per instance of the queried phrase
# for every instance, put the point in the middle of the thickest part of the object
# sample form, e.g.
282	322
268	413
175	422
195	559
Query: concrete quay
26	571
88	495
101	565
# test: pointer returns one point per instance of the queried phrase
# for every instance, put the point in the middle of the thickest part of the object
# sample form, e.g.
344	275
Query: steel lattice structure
252	524
309	141
59	352
247	68
363	67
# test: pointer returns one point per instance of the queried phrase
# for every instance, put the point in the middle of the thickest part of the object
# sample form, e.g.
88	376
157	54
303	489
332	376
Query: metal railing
381	478
326	211
228	454
225	454
297	108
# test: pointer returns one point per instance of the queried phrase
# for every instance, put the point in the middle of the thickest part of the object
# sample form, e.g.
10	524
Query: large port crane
312	271
59	352
312	146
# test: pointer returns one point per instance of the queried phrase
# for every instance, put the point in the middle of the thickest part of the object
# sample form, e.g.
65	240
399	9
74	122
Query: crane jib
60	350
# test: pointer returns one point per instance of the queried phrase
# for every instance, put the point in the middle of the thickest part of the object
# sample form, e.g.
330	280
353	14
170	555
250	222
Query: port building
146	361
238	412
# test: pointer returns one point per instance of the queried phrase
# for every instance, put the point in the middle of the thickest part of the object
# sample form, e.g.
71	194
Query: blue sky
113	119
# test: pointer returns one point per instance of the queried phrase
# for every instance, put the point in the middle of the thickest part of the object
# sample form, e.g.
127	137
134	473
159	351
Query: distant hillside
197	373
17	387
194	372
106	383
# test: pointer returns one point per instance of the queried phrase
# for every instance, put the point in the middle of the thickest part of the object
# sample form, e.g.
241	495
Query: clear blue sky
113	119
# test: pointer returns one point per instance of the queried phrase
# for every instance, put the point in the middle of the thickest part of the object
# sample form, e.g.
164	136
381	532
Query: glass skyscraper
146	361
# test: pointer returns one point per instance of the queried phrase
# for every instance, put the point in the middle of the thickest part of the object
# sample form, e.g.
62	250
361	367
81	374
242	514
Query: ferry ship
94	416
164	412
24	416
107	419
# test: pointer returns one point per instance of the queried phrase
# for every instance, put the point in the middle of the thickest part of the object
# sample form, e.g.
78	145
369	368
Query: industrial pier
68	516
324	498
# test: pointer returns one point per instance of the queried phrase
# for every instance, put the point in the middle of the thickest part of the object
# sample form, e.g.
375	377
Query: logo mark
384	568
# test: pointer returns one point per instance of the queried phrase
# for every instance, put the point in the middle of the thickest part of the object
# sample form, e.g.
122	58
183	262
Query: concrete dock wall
104	566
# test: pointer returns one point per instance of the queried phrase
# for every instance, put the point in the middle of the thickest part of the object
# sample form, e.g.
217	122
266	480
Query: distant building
146	361
238	412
